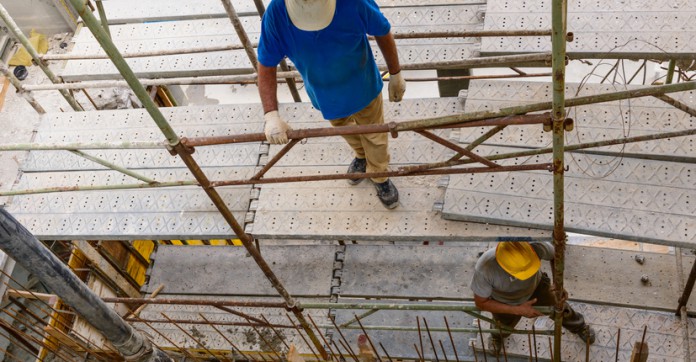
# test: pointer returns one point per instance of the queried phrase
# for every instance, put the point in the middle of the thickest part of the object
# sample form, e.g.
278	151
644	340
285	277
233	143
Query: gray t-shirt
491	280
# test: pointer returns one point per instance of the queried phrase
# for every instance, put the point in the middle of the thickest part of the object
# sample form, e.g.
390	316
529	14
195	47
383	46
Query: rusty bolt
568	124
640	259
570	36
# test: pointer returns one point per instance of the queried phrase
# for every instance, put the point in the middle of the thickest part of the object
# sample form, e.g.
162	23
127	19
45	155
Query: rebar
302	336
432	344
642	343
385	352
333	355
449	332
225	338
57	320
343	337
347	347
442	347
28	337
275	332
618	339
367	336
202	345
70	351
182	350
420	356
483	345
420	338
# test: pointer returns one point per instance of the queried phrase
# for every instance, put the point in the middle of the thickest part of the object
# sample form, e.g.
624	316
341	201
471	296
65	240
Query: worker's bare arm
493	306
268	88
391	56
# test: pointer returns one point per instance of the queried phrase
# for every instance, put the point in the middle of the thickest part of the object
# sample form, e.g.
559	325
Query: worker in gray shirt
507	282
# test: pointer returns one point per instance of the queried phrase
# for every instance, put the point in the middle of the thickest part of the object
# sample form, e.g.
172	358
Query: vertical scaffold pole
186	156
558	59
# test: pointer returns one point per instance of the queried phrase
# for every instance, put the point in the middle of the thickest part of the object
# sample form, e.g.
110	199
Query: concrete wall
45	16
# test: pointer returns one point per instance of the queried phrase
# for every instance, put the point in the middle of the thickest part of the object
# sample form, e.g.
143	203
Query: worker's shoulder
486	260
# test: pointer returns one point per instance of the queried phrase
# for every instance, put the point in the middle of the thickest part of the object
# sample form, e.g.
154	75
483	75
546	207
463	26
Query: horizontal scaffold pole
218	48
505	60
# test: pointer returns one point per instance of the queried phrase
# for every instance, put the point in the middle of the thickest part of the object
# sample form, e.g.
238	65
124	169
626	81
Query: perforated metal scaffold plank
215	32
595	122
664	335
336	210
159	213
134	11
620	27
634	199
166	213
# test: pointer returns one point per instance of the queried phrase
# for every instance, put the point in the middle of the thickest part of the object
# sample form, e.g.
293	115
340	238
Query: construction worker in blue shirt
327	42
507	282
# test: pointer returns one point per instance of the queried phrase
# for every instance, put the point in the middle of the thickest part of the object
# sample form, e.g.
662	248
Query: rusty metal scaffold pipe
558	62
382	128
185	154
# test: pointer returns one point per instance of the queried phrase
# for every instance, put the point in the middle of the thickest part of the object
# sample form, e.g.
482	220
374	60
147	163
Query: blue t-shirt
336	63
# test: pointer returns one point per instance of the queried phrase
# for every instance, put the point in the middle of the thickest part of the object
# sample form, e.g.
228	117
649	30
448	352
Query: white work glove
397	87
276	128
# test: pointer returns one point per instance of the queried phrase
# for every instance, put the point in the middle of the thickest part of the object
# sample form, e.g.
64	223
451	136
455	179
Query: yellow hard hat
518	259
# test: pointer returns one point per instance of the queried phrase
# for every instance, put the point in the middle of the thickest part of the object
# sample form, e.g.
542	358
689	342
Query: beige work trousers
373	147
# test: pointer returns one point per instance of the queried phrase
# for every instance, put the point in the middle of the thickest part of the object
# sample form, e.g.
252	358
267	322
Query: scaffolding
555	120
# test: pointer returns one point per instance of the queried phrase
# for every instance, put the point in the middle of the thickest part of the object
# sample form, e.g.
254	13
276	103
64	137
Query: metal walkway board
214	32
156	213
664	335
164	213
444	272
135	11
336	210
596	122
648	28
305	271
631	199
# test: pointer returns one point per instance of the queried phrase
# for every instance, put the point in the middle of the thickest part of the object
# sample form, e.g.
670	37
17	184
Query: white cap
311	15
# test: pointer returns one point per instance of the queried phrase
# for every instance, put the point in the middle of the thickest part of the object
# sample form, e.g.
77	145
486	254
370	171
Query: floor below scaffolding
416	274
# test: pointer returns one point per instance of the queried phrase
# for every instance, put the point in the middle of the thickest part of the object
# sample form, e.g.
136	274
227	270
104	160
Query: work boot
587	333
388	194
494	346
359	165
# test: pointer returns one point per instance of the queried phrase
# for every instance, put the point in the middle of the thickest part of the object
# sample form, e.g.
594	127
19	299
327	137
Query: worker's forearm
268	88
494	306
391	56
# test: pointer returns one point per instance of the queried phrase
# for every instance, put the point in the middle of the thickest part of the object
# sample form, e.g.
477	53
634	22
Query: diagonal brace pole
186	155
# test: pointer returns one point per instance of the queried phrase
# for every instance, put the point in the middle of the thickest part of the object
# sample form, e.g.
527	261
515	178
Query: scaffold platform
435	273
